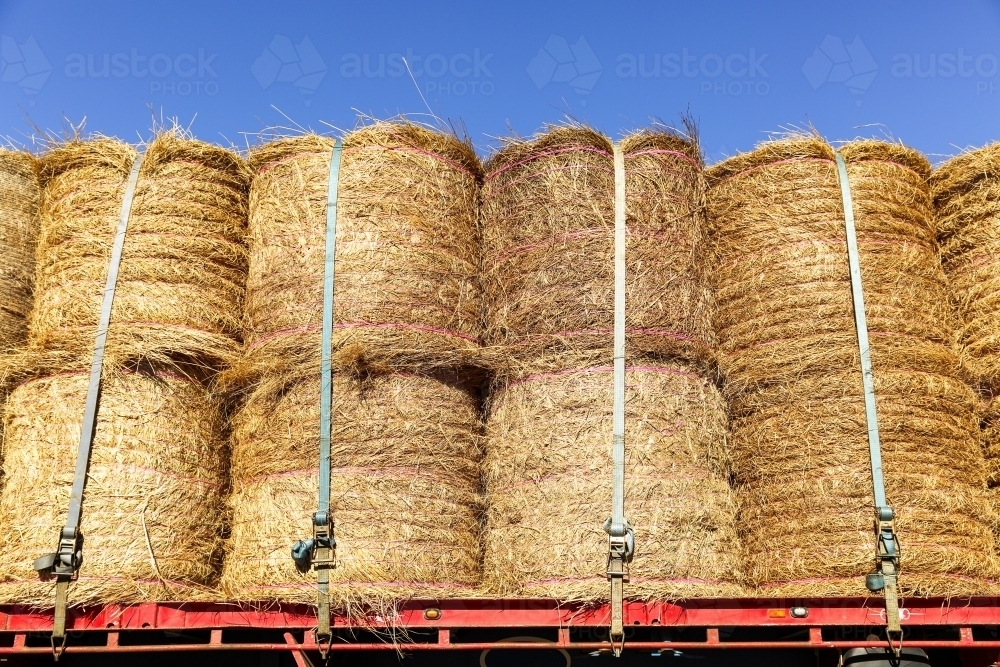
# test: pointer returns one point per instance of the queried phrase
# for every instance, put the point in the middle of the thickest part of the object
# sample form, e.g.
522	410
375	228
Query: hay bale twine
548	477
19	194
407	248
152	508
181	280
788	350
547	218
404	491
966	193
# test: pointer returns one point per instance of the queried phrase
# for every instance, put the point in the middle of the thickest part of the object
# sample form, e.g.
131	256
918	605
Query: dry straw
152	508
183	267
19	196
788	351
548	478
967	199
991	442
404	491
547	220
407	249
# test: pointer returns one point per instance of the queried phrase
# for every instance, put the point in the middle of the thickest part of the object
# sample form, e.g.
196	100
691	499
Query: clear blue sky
927	73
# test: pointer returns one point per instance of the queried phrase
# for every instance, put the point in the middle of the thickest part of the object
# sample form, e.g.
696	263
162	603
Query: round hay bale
548	477
404	491
183	267
803	479
966	193
19	196
547	217
990	432
152	507
788	351
407	249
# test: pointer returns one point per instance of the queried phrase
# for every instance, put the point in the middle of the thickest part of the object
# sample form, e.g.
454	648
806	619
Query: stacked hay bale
183	266
405	428
152	503
151	511
19	195
789	353
548	234
966	193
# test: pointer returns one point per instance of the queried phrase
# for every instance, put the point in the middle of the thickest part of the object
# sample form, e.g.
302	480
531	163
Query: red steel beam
457	614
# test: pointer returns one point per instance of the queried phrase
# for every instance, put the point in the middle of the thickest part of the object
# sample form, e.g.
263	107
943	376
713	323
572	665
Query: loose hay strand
788	352
152	507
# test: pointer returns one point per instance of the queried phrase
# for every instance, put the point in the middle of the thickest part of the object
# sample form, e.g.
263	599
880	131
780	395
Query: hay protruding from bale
405	496
19	195
789	354
407	294
152	507
966	193
183	269
547	217
548	477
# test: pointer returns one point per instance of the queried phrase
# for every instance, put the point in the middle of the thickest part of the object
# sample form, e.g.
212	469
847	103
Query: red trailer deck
970	625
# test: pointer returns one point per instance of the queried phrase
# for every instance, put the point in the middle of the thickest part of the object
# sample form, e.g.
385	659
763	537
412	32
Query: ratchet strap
621	538
65	563
320	551
885	576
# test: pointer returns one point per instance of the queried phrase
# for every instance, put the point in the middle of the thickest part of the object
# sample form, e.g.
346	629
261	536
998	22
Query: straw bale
183	267
788	352
19	196
966	193
152	508
404	491
407	248
803	479
548	479
990	433
547	217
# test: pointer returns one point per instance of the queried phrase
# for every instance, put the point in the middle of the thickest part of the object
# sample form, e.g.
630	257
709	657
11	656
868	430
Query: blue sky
927	73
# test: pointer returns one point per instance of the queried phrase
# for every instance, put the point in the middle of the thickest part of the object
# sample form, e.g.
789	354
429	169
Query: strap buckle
65	562
886	574
305	552
621	548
